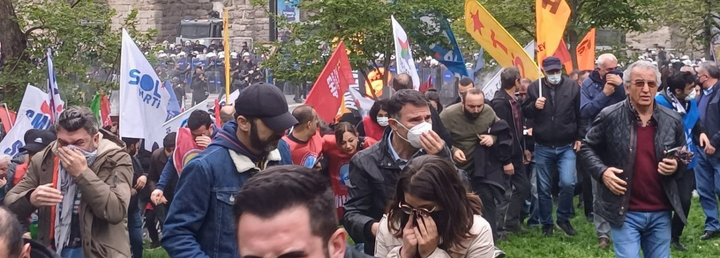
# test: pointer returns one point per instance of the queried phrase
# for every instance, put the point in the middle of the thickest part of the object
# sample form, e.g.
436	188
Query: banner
363	103
34	113
563	54
493	85
477	69
143	97
56	103
551	17
452	59
173	108
233	96
7	117
404	61
180	120
326	94
530	49
586	51
497	41
105	111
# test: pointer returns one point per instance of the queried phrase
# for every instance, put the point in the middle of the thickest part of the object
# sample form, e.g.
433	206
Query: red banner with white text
335	79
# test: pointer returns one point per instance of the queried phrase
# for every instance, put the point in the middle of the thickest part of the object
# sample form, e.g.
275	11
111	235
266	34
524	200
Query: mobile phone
671	152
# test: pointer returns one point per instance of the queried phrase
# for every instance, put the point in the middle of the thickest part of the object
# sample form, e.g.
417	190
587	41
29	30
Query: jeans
647	230
532	205
686	184
135	232
564	159
602	227
707	180
72	253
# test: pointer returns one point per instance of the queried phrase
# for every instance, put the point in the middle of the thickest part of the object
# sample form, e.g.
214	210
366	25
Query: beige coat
481	246
105	197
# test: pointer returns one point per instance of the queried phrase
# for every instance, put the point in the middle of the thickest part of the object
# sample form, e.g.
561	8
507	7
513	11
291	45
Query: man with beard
200	221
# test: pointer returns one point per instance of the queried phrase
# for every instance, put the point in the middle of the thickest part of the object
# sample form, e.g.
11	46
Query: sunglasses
641	84
421	211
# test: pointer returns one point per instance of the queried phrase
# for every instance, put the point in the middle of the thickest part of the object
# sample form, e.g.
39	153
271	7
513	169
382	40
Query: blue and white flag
143	97
56	104
452	59
174	108
477	69
34	113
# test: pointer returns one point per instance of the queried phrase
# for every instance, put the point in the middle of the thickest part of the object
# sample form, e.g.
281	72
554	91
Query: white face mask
690	96
414	133
383	121
554	79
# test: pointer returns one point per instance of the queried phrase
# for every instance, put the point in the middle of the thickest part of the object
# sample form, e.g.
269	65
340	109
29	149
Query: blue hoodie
200	220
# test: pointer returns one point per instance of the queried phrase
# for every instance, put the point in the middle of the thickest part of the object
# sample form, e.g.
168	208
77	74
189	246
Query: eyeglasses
641	84
408	210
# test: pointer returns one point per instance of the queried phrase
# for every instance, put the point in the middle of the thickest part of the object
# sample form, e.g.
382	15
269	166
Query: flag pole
540	82
226	44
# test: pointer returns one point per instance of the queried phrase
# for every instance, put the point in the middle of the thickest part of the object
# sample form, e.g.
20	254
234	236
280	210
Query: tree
86	50
695	21
365	28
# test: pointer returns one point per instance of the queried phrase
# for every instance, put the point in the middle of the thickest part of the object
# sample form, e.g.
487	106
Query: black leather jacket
611	142
374	174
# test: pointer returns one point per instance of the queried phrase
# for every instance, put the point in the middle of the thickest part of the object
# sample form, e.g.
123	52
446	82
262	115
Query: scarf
675	102
69	207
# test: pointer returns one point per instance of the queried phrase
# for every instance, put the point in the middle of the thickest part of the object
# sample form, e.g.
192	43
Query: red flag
563	54
105	111
218	121
327	92
185	148
427	85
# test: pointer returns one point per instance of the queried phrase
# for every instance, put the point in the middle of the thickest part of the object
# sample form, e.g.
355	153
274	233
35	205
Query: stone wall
165	16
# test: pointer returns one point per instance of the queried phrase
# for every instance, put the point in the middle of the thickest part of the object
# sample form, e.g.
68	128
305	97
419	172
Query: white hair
641	64
605	58
5	158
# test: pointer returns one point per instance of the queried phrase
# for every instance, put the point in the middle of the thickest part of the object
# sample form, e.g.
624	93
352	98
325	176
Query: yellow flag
551	18
497	41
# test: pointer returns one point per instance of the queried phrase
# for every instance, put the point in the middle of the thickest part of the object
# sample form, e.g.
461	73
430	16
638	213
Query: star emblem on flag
477	24
404	48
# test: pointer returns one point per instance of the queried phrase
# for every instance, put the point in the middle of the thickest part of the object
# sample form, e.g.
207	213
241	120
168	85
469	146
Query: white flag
530	49
143	97
404	61
56	103
34	113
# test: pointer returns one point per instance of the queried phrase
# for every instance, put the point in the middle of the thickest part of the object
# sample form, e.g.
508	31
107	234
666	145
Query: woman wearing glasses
433	215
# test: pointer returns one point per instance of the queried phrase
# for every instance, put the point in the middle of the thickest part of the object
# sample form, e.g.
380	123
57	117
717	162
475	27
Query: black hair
12	236
465	81
279	188
402	81
433	95
130	141
75	118
199	118
402	98
679	80
303	114
169	140
509	76
376	107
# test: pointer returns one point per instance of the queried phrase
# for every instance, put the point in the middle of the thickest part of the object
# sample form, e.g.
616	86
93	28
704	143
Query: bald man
227	114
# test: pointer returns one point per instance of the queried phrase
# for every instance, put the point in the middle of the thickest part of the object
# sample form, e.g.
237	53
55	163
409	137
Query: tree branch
74	4
30	30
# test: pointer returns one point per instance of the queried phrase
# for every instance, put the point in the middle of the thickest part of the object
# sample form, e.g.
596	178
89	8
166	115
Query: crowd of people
411	179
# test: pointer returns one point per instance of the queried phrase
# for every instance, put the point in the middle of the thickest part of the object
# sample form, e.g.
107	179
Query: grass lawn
584	244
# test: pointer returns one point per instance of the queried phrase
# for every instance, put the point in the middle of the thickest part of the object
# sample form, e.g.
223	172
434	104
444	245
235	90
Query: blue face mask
554	79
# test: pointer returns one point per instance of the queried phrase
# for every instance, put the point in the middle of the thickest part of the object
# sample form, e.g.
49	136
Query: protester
374	171
303	145
158	160
463	86
227	114
707	172
202	131
89	181
601	89
11	240
288	211
509	108
139	180
4	163
433	215
338	149
557	132
680	97
482	148
638	193
35	141
403	81
201	210
434	99
199	88
373	125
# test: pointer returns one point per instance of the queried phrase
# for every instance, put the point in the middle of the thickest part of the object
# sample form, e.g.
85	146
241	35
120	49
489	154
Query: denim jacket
200	221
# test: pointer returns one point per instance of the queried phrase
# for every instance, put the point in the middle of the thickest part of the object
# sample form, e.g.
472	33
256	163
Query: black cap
36	140
266	102
551	63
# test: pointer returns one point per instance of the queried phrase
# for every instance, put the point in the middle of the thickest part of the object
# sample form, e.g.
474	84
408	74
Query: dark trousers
521	190
587	195
686	184
488	194
150	225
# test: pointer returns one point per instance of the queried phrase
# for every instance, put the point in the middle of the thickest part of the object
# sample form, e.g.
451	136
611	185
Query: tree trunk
573	39
12	38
